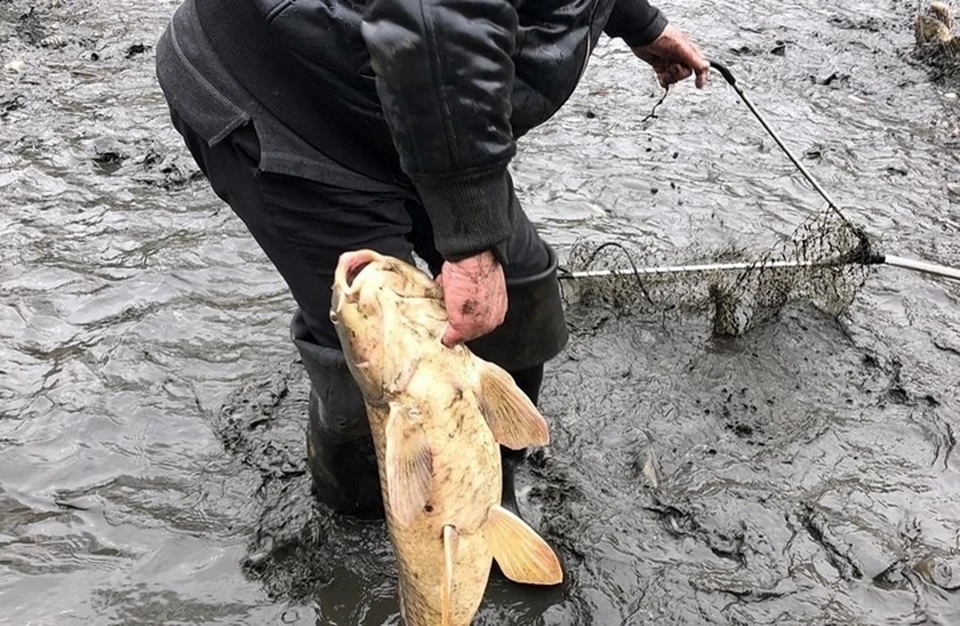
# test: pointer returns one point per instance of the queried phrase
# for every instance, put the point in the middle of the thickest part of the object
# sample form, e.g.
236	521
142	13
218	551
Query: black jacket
439	90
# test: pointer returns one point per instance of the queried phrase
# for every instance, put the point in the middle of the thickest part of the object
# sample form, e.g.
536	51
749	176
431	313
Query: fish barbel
437	415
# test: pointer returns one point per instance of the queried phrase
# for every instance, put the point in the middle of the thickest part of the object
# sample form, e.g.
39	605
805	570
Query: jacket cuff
469	212
635	22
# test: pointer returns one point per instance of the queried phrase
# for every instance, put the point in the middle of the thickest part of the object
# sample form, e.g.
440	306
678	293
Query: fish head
376	297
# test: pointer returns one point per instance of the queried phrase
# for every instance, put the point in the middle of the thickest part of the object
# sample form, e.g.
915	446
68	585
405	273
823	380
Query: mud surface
152	410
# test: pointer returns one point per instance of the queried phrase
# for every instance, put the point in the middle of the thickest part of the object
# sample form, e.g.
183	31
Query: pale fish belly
466	483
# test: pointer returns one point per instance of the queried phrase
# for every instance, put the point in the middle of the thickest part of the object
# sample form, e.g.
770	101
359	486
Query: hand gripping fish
436	415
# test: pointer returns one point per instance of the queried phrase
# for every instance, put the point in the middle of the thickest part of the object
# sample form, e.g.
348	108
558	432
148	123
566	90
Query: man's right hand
475	295
674	57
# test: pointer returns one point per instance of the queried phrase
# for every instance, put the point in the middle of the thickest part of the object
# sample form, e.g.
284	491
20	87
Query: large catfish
436	415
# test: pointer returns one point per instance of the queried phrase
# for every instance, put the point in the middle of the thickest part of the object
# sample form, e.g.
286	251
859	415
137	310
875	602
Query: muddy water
151	411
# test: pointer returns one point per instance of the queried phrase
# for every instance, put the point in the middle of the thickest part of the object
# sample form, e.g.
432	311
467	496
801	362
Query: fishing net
824	262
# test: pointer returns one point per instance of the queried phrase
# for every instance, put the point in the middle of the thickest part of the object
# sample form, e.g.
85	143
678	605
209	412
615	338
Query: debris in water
108	154
17	65
53	41
650	471
11	103
939	572
30	27
834	76
135	49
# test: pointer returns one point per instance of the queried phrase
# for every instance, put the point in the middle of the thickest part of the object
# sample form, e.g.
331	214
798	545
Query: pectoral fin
513	418
409	465
521	553
450	540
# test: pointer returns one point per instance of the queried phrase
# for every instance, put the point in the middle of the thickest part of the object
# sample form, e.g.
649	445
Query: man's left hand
674	57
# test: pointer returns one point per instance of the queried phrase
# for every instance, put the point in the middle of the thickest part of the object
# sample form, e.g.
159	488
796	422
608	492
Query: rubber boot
529	381
340	452
344	472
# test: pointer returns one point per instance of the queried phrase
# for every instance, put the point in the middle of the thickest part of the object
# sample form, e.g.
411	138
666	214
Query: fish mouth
351	265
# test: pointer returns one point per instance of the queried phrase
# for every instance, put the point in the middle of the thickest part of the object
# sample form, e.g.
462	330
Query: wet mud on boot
344	472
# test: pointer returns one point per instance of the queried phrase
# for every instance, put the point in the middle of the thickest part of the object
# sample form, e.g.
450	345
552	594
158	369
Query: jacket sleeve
636	22
445	78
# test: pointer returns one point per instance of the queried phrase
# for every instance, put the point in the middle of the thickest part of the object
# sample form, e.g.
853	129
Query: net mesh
824	262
